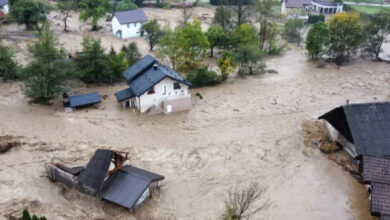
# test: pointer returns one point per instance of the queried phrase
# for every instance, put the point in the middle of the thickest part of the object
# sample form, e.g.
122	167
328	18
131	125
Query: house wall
331	9
128	30
5	9
146	102
336	136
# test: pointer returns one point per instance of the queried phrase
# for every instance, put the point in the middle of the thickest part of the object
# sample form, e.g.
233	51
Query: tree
346	31
66	7
186	13
226	64
153	32
375	32
317	40
243	11
117	62
292	30
223	16
244	34
94	9
94	66
31	13
241	203
8	66
247	55
132	54
126	5
27	216
203	77
44	77
216	37
139	3
168	47
264	13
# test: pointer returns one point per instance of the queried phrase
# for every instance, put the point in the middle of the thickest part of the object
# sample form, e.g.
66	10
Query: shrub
203	77
8	66
316	18
27	216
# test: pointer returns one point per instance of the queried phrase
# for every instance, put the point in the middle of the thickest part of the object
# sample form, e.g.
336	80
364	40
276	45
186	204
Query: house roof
326	3
366	125
126	186
96	170
139	67
297	3
375	169
380	199
3	2
124	94
84	100
152	76
131	16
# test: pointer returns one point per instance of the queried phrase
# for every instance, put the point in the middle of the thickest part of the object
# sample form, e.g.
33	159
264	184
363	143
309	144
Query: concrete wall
163	90
128	30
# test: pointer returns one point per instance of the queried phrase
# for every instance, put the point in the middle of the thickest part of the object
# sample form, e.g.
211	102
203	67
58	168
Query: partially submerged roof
3	2
367	126
297	3
380	199
375	169
139	67
96	170
124	94
84	100
131	16
127	185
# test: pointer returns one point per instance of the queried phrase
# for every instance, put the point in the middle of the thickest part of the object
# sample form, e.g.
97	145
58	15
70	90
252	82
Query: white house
4	8
154	88
126	24
326	7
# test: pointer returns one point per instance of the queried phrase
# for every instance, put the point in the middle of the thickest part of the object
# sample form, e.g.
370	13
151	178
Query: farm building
154	88
127	24
291	4
79	101
4	8
362	129
108	177
326	7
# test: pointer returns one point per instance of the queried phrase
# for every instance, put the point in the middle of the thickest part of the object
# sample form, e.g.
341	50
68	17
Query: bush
8	66
316	18
27	216
125	5
203	77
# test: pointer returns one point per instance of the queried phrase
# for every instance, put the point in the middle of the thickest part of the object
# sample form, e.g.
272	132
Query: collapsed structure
108	177
364	132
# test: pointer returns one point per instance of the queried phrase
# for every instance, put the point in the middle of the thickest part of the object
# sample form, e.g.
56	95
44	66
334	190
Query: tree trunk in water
211	51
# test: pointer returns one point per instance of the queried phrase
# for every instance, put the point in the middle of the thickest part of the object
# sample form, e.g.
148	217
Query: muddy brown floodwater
244	130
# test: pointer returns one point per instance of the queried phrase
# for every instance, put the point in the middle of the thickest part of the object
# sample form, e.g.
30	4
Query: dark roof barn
77	101
297	3
130	16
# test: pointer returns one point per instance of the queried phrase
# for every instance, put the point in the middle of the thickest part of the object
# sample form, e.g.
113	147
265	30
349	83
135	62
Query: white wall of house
162	91
125	31
5	9
329	9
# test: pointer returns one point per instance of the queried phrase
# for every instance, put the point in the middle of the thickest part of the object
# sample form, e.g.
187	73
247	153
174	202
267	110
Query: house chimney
155	66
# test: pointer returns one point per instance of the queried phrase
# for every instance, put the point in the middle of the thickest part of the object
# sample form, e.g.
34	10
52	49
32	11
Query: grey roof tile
131	16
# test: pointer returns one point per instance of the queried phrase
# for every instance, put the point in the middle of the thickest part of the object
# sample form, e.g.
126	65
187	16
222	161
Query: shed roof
3	2
96	170
139	67
366	125
126	186
297	3
130	16
84	100
124	94
326	3
375	169
380	199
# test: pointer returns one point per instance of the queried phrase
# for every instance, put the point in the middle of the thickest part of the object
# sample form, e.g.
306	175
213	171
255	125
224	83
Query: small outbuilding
127	24
287	5
83	100
4	8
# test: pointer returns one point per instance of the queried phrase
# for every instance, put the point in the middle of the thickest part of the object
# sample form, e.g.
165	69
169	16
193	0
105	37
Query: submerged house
154	88
362	129
127	24
108	177
79	101
4	8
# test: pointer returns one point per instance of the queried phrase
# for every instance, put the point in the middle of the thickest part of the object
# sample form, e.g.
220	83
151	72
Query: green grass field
366	9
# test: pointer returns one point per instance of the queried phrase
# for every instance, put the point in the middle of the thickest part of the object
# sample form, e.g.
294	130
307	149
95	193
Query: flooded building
127	24
154	88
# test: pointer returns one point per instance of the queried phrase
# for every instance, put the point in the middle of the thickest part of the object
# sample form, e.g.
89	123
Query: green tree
132	54
94	9
264	13
317	40
203	77
245	34
94	66
226	64
66	8
153	32
292	30
346	31
247	56
243	11
27	216
31	13
45	76
168	47
375	32
216	37
125	5
117	63
8	66
224	17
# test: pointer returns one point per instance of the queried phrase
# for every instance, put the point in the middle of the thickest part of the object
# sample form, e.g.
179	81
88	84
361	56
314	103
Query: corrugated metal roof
297	3
149	176
3	2
84	100
366	125
376	169
96	170
124	94
131	16
380	199
138	68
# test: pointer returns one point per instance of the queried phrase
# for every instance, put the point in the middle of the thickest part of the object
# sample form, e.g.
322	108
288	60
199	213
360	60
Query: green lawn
366	9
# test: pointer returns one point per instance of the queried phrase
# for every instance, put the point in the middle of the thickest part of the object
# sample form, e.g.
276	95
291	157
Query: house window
128	25
176	85
151	91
